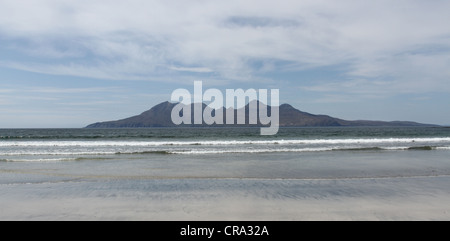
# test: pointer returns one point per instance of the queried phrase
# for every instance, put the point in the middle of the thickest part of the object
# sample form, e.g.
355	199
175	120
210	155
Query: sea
177	173
60	145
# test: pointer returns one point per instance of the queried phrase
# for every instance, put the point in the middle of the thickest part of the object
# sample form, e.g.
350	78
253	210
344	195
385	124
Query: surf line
235	101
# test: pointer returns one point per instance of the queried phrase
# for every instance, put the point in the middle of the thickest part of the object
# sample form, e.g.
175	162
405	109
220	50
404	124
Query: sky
70	63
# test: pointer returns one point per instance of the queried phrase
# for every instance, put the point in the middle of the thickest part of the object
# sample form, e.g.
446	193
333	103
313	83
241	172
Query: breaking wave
50	150
217	143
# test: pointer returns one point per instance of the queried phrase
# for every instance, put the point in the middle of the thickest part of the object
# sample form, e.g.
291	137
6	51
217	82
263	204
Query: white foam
396	148
55	153
285	150
41	160
216	143
247	151
443	148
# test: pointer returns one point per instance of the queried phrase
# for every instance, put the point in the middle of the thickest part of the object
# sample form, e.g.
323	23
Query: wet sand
312	186
416	198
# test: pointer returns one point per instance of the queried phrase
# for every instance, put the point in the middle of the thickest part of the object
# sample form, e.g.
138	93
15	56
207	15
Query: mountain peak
164	105
286	106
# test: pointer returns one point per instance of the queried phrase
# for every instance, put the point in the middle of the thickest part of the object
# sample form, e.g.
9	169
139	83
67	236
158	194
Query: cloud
50	90
192	69
259	22
401	44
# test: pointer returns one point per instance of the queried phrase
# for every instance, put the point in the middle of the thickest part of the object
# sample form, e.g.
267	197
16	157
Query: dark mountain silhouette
160	116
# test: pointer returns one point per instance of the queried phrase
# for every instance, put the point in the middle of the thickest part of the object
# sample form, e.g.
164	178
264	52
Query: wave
52	150
77	156
422	148
60	159
287	150
42	160
366	149
56	153
96	152
443	148
218	143
145	153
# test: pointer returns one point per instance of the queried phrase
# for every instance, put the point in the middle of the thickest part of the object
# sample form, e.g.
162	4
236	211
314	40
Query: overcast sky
68	63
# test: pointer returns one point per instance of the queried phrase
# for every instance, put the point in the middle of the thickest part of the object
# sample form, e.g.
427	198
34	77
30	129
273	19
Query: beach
215	183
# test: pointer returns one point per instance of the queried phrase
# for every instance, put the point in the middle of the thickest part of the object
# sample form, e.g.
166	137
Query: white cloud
53	90
142	39
192	69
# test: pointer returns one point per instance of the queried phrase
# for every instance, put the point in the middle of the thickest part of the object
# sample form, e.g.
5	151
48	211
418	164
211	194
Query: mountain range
160	116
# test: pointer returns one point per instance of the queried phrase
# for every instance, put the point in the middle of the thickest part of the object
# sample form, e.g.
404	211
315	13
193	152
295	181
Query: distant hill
160	116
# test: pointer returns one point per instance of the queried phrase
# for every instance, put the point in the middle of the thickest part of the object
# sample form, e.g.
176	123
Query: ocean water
208	173
47	145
